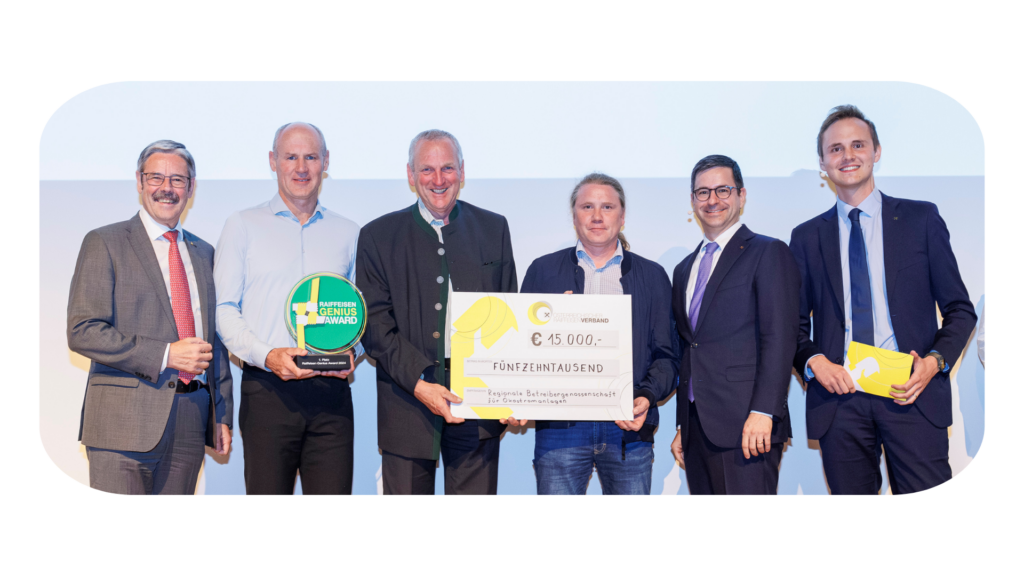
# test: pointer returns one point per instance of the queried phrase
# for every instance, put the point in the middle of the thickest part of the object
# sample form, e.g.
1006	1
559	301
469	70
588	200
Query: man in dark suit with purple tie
736	303
873	269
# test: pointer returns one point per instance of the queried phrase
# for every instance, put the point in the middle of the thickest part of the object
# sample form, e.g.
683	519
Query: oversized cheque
542	356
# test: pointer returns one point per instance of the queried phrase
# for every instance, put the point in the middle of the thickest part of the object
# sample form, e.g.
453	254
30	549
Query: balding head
299	126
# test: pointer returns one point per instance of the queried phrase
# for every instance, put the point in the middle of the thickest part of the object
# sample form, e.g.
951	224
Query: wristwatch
938	358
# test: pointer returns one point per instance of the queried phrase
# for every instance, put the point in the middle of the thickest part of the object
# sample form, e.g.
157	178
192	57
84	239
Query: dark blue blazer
740	355
655	347
920	271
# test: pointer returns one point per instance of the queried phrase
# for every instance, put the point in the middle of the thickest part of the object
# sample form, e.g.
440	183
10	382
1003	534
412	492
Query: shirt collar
871	206
723	238
430	218
279	208
615	260
154	229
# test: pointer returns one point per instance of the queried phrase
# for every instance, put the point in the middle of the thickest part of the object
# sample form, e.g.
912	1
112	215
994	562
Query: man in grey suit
141	308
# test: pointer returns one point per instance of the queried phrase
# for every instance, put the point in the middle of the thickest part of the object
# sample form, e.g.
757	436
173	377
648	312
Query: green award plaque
326	315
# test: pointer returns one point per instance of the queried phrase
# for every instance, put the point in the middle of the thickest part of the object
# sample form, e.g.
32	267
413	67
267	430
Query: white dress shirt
436	225
162	248
722	240
691	284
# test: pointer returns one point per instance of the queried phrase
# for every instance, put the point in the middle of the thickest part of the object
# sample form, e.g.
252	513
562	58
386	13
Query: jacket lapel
687	268
830	254
892	239
730	254
200	265
143	248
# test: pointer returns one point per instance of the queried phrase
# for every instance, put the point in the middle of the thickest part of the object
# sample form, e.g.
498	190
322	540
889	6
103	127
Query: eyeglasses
156	179
722	192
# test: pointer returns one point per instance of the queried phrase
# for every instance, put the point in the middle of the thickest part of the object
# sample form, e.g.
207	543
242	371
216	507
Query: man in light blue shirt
290	419
874	268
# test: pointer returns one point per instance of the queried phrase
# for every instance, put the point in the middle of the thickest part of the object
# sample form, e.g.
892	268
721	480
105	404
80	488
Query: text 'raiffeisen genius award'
326	314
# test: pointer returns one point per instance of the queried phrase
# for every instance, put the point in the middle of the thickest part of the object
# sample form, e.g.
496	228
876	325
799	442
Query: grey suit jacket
120	317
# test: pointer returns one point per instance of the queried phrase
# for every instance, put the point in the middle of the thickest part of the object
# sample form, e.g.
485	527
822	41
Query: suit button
839	361
440	280
437	335
170	384
440	251
437	306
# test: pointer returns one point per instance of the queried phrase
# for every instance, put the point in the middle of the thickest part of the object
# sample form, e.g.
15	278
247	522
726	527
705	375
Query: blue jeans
564	458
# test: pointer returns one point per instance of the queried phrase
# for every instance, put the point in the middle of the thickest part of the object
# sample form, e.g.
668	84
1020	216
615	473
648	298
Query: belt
183	388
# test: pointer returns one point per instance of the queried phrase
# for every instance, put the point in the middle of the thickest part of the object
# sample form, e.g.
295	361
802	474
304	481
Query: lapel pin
895	217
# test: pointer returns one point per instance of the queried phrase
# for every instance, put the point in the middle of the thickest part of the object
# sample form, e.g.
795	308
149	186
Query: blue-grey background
648	134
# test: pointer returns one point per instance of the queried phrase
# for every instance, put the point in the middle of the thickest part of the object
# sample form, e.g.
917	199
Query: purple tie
703	273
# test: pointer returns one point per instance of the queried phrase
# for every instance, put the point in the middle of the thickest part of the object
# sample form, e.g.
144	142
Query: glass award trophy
326	314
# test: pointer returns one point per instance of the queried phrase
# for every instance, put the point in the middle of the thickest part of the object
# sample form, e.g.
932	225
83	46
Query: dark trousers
916	452
172	467
302	426
714	470
470	465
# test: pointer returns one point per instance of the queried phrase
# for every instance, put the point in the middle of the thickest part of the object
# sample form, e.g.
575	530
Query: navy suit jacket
920	271
740	355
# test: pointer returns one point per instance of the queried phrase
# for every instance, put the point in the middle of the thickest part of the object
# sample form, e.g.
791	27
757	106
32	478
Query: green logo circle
330	311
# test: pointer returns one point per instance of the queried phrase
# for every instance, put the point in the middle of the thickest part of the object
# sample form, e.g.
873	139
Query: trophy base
324	362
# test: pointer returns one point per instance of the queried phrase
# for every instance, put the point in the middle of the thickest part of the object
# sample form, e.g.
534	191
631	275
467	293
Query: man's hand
757	434
640	407
279	361
677	448
924	370
512	421
222	439
437	398
343	373
190	355
833	377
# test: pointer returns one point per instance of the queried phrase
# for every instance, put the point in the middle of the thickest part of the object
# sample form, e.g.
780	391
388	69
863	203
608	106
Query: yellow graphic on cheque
492	318
539	313
875	370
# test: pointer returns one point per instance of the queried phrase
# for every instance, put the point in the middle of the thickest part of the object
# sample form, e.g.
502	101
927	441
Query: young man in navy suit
873	269
736	303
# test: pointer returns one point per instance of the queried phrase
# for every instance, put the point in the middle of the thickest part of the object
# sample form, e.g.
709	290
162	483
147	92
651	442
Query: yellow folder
875	370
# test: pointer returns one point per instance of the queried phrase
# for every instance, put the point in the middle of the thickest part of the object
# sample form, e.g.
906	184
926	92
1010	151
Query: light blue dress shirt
262	253
871	226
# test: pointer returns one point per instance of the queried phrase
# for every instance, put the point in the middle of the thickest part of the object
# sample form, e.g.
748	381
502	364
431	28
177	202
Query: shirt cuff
258	354
808	375
761	413
167	355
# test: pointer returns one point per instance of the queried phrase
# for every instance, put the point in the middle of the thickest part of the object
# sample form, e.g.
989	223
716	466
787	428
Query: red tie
181	298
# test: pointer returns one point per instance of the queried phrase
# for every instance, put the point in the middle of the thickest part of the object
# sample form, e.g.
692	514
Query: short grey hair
168	147
277	136
431	136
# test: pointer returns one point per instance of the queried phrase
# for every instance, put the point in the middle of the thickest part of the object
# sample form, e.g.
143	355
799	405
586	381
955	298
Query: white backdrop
524	144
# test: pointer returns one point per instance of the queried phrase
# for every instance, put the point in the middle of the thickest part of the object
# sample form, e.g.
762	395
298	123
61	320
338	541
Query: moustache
164	195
